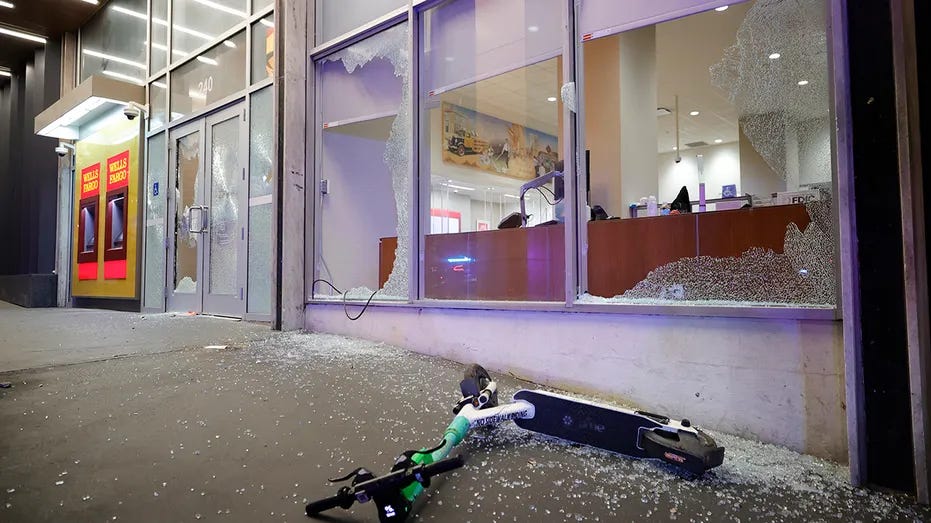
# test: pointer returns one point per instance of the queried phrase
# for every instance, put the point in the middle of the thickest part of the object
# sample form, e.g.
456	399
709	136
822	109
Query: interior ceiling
685	51
48	18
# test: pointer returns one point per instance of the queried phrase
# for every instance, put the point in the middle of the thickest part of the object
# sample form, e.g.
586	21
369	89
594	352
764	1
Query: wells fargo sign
90	181
118	171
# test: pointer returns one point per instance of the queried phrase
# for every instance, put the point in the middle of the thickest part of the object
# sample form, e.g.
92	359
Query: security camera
130	112
133	110
63	148
678	158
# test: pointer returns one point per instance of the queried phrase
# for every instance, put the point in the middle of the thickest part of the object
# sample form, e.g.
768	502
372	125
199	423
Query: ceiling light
662	111
718	140
160	85
6	73
208	61
774	56
90	2
803	82
694	113
198	34
6	4
229	44
511	196
451	186
24	36
533	29
674	148
114	58
551	99
221	7
266	23
122	76
722	8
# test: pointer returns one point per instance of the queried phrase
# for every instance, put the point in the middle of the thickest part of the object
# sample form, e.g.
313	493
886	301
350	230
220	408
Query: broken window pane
714	184
364	192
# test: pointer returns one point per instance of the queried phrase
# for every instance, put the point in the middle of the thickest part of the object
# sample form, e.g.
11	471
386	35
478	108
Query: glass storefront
690	163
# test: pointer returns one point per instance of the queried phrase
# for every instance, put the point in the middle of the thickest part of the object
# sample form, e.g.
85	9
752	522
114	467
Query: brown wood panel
623	252
510	264
386	248
731	233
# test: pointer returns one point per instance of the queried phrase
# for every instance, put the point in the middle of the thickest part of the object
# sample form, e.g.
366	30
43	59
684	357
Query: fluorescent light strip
221	7
122	76
452	186
7	5
161	47
24	36
95	2
113	58
159	21
6	73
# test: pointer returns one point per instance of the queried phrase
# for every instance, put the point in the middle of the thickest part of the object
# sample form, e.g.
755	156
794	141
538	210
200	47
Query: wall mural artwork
476	140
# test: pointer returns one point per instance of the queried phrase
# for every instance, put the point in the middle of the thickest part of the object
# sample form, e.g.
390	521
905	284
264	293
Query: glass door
224	198
185	206
206	269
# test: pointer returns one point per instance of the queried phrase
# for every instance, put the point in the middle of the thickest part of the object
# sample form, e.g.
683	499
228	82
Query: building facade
706	208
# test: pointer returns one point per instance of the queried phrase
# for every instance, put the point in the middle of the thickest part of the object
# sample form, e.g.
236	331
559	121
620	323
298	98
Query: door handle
197	222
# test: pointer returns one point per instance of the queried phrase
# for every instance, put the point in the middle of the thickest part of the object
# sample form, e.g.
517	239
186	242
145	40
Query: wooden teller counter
529	264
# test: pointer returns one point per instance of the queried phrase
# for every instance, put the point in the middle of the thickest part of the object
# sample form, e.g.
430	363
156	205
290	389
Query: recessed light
24	36
774	56
7	5
718	140
722	8
533	29
551	99
694	113
674	148
803	82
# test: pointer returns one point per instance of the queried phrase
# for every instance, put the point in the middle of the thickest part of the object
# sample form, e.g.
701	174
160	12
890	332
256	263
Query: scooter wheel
480	378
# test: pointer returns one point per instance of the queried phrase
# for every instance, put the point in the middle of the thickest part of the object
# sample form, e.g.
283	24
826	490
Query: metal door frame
235	304
181	301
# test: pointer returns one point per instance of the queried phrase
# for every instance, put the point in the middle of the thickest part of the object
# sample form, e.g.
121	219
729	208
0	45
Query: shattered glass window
156	209
491	146
364	174
709	155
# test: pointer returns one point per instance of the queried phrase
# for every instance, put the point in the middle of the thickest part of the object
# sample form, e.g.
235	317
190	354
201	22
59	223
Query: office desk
529	264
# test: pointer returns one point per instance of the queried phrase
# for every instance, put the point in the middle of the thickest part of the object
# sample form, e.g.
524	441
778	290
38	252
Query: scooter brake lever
358	472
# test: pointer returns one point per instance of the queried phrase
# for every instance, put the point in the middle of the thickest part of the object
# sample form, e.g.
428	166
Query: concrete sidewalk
32	338
250	433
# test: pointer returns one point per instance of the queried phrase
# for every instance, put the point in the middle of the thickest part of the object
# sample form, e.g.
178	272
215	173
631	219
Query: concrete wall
778	381
29	166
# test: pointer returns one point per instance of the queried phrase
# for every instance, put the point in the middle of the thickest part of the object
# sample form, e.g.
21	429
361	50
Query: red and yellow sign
90	181
118	171
106	213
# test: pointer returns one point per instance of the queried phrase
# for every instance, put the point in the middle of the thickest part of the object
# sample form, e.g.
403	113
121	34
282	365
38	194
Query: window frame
576	230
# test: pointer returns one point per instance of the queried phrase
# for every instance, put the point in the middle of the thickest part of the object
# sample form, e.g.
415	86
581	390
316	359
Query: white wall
814	151
778	381
721	167
359	208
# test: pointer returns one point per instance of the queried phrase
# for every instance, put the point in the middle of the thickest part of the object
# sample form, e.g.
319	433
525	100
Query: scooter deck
587	423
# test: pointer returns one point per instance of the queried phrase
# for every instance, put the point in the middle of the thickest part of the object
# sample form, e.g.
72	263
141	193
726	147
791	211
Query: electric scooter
633	433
